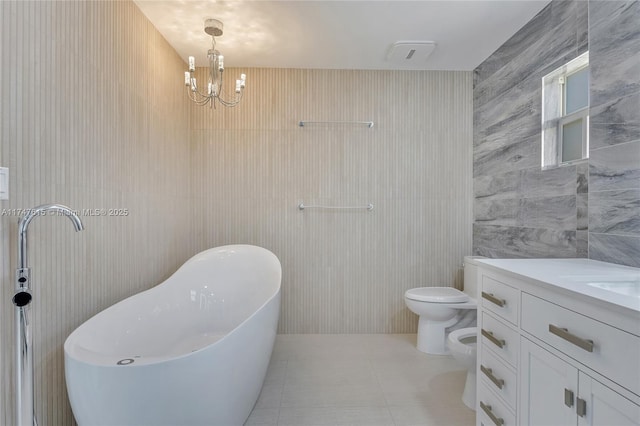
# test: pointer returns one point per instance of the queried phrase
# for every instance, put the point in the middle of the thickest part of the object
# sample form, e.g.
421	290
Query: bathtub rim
73	350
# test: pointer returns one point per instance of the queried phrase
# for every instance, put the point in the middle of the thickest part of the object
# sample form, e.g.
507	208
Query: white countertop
611	283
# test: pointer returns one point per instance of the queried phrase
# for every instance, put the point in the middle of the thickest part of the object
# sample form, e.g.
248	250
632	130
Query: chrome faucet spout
42	210
25	415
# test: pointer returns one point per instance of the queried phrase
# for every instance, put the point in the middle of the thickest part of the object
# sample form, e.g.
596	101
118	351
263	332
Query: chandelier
214	90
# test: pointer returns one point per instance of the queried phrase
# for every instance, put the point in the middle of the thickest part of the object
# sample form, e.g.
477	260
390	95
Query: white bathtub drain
125	361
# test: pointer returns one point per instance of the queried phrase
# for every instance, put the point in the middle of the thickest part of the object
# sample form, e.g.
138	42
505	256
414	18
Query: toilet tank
470	283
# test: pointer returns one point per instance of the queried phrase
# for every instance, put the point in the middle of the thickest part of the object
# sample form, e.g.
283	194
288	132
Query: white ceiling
340	34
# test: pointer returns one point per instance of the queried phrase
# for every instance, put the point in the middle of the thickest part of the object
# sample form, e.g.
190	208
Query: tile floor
361	379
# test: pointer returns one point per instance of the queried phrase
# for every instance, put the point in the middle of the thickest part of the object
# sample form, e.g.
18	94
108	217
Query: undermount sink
627	288
627	285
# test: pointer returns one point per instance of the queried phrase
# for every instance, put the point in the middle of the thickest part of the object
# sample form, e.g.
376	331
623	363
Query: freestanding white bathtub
193	350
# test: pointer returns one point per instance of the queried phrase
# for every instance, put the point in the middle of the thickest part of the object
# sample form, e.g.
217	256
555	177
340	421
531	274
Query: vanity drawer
491	411
601	347
495	374
500	299
501	339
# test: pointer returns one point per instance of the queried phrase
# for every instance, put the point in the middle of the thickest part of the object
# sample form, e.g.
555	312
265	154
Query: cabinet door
603	406
548	388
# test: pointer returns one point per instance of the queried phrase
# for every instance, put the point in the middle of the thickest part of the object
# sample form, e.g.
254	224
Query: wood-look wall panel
93	115
343	271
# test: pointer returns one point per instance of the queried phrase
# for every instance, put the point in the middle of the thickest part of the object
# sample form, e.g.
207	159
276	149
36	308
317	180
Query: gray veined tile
582	244
510	157
582	212
497	212
613	39
582	26
615	212
615	167
623	109
505	185
582	183
557	213
607	134
555	26
621	249
505	241
515	113
514	46
548	183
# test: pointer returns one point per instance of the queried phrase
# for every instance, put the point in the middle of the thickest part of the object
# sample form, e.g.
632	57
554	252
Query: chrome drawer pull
563	333
489	335
581	407
568	397
489	373
491	298
487	409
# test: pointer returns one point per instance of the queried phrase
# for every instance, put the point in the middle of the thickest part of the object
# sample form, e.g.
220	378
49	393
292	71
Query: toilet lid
437	295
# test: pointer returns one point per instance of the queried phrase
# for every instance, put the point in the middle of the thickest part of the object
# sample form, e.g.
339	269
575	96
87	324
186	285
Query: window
565	113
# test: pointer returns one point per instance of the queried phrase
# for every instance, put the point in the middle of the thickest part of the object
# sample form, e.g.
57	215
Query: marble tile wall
614	156
520	210
83	123
590	209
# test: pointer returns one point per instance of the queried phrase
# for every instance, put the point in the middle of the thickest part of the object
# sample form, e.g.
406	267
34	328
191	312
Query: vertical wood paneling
343	272
92	115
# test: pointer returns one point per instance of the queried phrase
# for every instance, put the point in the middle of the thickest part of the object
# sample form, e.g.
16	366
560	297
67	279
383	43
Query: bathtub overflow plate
126	361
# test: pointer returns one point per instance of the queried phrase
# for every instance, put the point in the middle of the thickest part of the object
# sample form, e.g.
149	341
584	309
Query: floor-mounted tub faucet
25	415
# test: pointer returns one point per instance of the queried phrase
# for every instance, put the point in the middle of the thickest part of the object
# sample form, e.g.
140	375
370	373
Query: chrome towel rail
302	206
302	123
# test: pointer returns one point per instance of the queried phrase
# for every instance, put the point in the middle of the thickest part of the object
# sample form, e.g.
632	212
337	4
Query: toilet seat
436	295
457	340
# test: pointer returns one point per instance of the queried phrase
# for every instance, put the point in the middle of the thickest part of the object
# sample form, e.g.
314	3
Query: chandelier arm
201	99
233	103
202	94
198	101
236	99
194	99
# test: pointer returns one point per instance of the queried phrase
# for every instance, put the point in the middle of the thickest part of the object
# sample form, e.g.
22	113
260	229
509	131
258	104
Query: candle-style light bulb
243	80
238	82
192	64
187	78
220	63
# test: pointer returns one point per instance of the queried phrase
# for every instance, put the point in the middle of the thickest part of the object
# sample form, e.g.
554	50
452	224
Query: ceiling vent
410	53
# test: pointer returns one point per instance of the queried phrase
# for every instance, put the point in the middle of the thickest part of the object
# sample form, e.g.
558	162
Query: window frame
554	116
581	114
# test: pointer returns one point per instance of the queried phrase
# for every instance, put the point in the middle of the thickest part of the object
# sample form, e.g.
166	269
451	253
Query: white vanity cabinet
554	348
554	392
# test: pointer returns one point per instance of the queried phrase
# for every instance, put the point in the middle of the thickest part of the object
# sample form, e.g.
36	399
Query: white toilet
447	323
438	308
443	309
462	344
